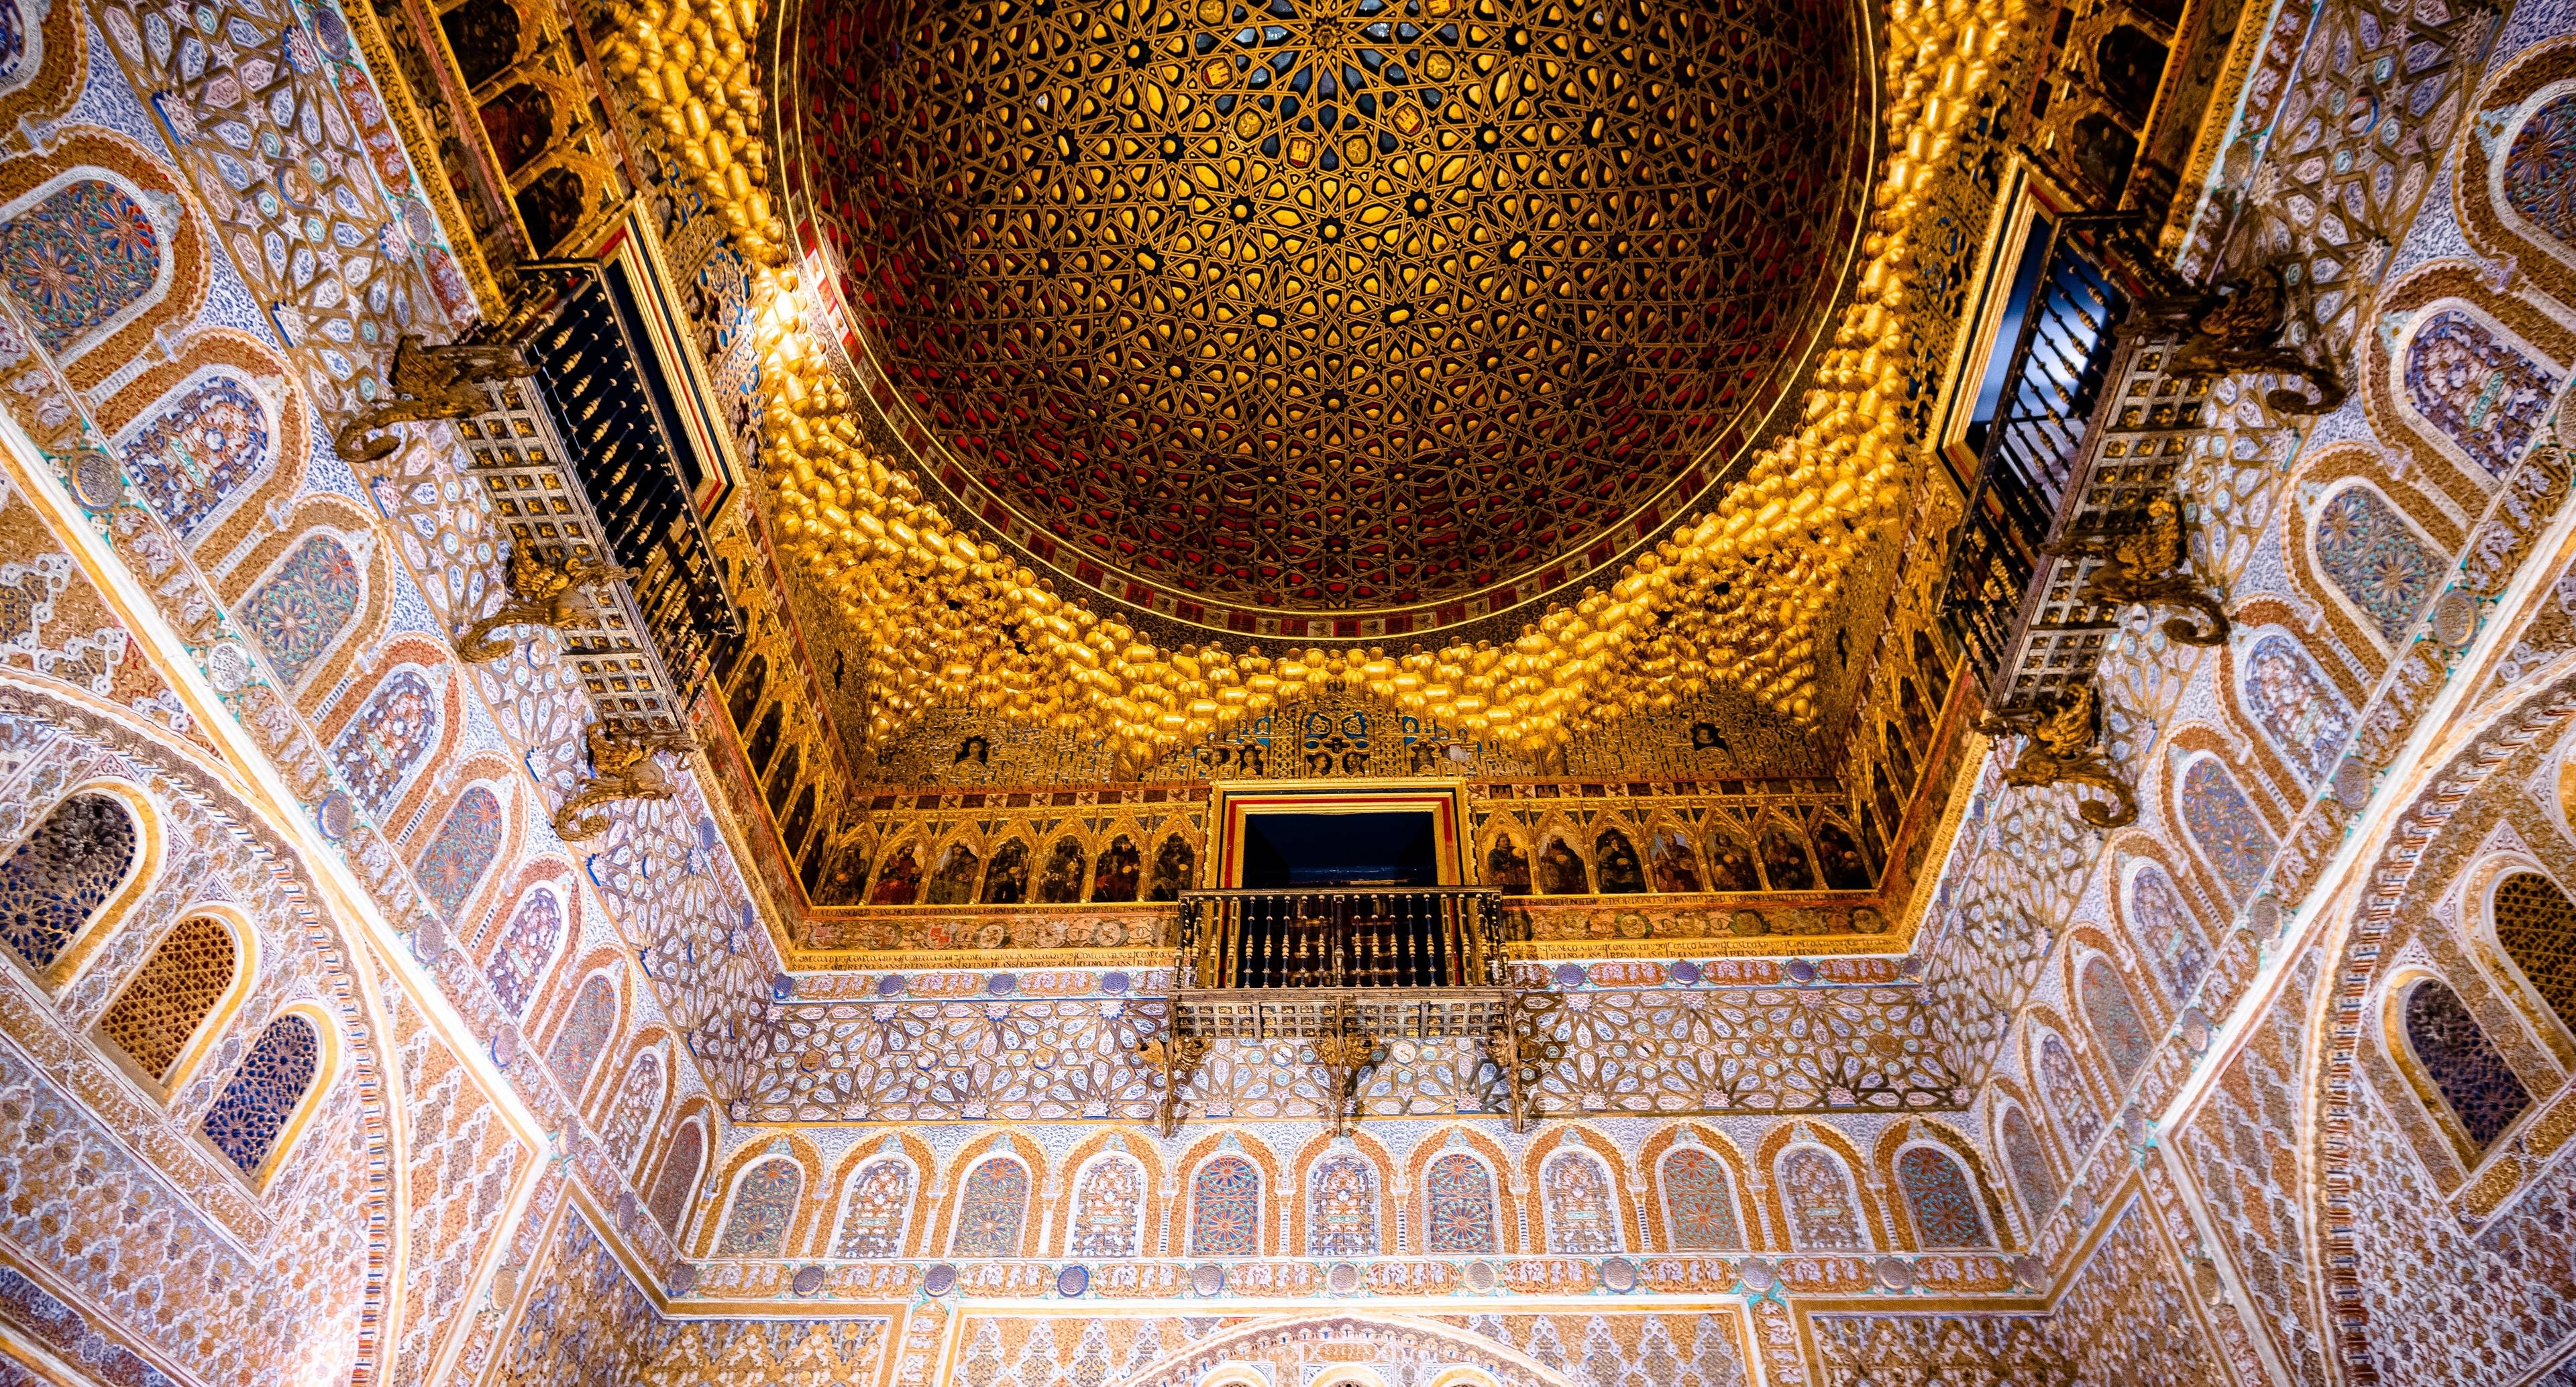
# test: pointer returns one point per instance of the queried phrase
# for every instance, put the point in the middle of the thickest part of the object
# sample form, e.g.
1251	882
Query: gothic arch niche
1006	878
101	250
214	440
1506	863
881	1187
170	1012
72	880
1672	860
898	877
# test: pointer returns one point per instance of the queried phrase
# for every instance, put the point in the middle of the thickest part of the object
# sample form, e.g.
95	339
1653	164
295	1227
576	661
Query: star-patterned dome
1331	306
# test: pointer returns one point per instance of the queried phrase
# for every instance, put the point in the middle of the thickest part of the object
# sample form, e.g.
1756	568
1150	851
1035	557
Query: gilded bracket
2058	749
541	594
2237	328
1509	1045
623	766
2150	564
1345	1054
427	382
1175	1058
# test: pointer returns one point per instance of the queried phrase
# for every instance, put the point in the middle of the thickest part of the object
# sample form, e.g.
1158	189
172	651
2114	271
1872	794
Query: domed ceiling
1331	306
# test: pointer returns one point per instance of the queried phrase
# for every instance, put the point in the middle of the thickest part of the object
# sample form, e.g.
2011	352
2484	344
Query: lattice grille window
171	994
2535	924
61	877
245	1122
2482	1090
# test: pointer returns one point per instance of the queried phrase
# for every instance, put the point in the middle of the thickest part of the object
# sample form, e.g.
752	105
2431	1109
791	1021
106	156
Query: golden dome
1331	306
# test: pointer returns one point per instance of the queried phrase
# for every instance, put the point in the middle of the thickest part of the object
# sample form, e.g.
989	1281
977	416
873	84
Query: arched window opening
1699	1202
1108	1209
991	1210
2482	1092
878	1207
764	1209
584	1034
1341	1208
670	1201
1458	1206
1824	1215
2028	1162
171	995
2535	925
2122	1036
1582	1213
58	880
245	1122
1225	1209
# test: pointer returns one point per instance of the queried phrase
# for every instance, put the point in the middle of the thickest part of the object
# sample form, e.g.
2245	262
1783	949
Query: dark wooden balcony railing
1437	936
2034	454
1345	970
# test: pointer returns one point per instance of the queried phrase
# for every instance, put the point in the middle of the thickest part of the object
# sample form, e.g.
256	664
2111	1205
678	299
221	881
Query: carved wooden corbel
541	594
2059	749
2149	564
2237	328
427	382
623	766
1345	1055
1175	1058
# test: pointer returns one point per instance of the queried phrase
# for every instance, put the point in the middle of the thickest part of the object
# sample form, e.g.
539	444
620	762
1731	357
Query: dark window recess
1999	356
1391	848
613	404
2030	448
